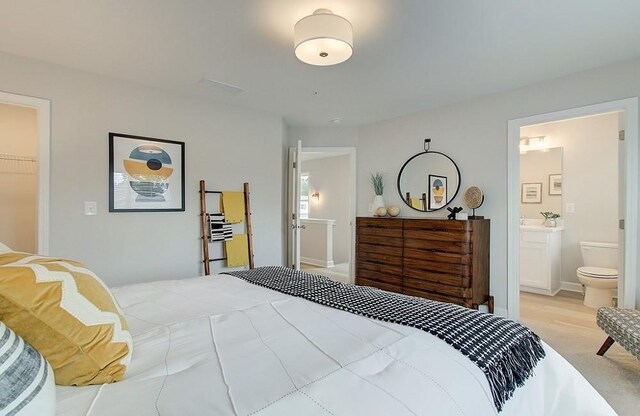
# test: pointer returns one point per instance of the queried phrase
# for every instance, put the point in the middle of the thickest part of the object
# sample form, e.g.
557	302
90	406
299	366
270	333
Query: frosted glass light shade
323	38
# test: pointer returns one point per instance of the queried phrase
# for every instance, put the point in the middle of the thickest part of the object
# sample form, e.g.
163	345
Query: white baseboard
500	312
539	291
571	287
317	262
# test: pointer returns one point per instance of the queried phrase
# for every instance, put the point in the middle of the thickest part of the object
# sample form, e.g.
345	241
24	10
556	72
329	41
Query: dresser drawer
437	256
437	225
441	289
434	266
435	296
440	277
384	223
379	254
379	240
457	247
379	272
380	285
439	235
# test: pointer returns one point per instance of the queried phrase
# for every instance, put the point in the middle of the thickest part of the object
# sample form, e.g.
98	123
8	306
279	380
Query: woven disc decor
473	197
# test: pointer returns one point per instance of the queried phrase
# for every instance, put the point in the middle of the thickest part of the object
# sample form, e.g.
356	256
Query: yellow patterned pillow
68	314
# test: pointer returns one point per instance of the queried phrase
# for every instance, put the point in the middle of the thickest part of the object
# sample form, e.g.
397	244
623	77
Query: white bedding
221	346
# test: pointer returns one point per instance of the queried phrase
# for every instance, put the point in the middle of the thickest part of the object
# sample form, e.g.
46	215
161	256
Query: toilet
599	275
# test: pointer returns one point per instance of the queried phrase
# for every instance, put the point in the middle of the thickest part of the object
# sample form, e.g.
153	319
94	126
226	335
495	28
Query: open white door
293	258
622	205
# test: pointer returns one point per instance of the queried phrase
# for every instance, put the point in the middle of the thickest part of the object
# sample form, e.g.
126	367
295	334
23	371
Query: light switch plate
571	207
90	208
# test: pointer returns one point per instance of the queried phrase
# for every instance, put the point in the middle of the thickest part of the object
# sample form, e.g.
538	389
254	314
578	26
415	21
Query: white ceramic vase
378	202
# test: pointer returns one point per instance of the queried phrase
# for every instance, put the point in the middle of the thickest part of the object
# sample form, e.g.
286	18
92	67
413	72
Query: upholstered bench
622	326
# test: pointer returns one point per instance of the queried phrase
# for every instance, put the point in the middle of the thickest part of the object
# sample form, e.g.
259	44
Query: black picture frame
432	203
145	174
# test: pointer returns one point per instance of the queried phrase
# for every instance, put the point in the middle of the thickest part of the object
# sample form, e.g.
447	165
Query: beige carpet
564	323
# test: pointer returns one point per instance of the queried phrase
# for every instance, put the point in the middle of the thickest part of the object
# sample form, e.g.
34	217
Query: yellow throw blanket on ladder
233	206
237	251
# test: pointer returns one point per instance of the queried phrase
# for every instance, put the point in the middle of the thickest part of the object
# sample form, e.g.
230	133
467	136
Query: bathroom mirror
540	182
428	181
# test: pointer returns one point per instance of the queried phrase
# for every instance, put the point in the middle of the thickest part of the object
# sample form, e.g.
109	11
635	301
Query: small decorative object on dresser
393	210
445	260
453	212
381	212
473	199
378	188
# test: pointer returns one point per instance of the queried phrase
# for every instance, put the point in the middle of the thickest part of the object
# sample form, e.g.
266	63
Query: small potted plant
550	218
378	188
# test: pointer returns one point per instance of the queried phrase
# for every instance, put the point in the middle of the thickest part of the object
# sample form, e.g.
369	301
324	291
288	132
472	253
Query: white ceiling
409	55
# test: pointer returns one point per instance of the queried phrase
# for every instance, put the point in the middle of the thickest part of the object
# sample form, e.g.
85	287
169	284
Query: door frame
630	277
351	152
43	117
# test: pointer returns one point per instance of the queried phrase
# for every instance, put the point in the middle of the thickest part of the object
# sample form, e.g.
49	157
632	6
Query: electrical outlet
571	208
90	208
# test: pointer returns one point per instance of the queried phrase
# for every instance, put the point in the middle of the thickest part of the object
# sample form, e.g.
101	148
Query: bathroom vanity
540	259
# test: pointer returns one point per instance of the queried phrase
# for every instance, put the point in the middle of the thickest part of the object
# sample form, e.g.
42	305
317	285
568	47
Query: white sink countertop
542	228
537	225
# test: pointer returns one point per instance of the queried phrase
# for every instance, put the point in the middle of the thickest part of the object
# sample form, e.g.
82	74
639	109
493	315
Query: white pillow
4	248
26	379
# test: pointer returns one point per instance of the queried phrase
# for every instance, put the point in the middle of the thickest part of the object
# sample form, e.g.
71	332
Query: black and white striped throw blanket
504	350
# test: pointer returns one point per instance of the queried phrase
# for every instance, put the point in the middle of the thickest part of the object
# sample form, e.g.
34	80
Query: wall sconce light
533	143
316	196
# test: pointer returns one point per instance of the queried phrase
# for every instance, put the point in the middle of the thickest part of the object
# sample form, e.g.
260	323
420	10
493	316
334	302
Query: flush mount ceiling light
323	38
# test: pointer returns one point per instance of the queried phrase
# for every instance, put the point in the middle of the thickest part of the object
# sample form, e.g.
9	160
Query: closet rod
18	158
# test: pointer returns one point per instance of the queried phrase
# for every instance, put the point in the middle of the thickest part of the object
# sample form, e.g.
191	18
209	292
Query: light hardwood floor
339	272
568	326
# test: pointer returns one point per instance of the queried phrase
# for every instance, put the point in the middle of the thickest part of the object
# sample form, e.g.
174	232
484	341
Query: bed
222	346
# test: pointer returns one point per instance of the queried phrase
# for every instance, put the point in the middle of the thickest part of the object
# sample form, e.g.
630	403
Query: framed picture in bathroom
531	193
555	184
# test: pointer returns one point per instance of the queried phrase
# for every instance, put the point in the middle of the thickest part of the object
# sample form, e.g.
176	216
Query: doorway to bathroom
572	163
569	211
323	211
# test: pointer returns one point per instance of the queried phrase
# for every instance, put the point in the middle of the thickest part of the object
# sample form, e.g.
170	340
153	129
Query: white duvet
221	346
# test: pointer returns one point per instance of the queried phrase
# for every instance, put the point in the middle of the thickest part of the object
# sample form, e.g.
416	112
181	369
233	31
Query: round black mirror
429	180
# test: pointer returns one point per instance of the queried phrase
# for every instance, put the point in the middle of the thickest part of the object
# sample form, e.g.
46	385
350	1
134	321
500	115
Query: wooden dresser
445	260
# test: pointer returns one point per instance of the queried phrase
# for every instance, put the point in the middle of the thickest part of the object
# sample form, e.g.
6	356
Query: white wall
18	180
331	136
330	177
224	145
474	135
590	182
535	167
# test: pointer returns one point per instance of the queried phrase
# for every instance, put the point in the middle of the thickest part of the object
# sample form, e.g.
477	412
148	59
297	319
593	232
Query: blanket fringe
513	368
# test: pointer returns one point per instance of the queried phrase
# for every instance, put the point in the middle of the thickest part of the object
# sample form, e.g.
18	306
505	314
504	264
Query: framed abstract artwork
437	192
145	174
555	184
531	193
